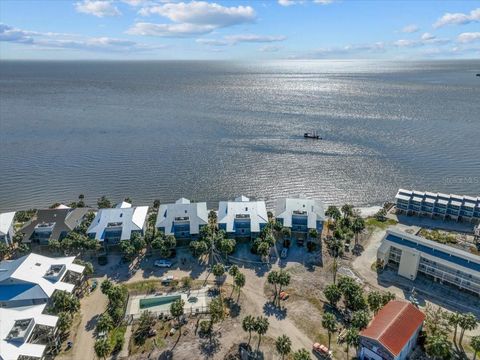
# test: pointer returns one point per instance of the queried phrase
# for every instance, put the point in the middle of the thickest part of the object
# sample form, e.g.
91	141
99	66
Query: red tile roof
394	325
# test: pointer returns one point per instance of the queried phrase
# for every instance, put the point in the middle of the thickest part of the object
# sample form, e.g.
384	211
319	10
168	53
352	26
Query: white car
167	279
163	263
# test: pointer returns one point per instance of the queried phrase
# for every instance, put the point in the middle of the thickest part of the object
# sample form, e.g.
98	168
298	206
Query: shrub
205	327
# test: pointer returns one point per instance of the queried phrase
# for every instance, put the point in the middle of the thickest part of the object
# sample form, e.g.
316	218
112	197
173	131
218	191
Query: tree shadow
166	355
234	307
90	325
270	309
210	346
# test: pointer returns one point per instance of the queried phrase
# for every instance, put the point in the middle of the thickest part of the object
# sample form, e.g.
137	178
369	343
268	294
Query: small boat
312	135
478	74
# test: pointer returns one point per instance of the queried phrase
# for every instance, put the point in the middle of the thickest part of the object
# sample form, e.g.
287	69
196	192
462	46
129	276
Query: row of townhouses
26	286
438	205
184	219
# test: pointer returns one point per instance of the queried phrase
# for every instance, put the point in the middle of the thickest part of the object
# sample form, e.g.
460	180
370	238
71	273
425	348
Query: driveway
91	307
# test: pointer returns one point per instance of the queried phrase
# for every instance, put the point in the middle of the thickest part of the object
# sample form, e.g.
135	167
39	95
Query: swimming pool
158	301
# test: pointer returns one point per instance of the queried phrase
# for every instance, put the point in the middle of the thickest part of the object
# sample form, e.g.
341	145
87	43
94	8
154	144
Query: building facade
52	224
26	286
300	214
183	219
438	205
7	230
393	332
110	226
242	217
413	255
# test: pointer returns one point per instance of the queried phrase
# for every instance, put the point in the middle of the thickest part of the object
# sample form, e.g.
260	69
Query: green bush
205	327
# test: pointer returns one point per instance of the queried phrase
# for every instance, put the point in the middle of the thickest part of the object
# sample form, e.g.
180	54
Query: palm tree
467	322
437	346
333	212
358	226
283	280
360	319
301	354
329	323
351	339
176	310
475	344
102	348
261	327
454	320
218	270
333	294
272	279
283	345
374	300
347	211
239	282
249	325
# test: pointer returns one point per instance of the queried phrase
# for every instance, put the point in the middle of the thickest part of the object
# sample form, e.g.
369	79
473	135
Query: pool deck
191	307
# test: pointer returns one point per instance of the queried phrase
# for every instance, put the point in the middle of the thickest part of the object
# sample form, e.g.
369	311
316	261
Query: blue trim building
412	254
300	214
182	219
438	205
242	217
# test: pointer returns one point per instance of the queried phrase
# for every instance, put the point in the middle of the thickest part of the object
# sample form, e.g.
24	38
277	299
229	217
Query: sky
245	30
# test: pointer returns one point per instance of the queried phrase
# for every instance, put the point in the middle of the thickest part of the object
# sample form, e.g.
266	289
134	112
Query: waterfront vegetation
345	307
110	326
441	237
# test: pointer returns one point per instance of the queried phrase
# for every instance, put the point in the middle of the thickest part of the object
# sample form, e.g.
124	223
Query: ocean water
215	130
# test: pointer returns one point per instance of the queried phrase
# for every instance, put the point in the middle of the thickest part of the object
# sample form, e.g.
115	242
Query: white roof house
33	278
313	209
6	226
242	208
182	211
16	327
124	217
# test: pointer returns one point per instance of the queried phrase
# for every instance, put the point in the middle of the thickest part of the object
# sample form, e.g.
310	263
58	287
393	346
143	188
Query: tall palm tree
358	226
475	344
261	327
454	320
351	339
347	210
272	279
438	347
249	325
333	213
329	323
283	345
467	322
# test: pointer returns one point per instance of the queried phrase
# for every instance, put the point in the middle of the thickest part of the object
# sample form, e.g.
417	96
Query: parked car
167	279
284	253
322	351
163	263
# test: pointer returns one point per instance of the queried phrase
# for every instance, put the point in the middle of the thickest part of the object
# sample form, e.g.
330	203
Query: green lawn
373	224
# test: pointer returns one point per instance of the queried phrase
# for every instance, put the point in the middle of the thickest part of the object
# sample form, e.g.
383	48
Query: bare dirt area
91	307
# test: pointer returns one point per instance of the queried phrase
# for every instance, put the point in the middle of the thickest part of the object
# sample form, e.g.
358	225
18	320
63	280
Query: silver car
163	263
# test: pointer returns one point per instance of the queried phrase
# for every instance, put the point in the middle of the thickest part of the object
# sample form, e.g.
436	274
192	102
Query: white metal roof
6	221
441	198
130	218
13	349
256	210
315	210
196	213
26	277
